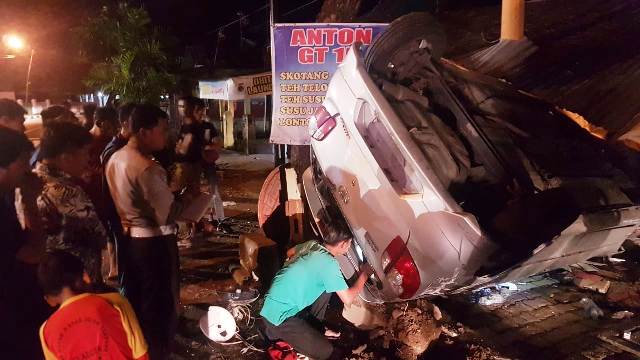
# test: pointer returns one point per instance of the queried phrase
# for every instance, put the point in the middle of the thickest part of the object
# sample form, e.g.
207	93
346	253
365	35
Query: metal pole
264	118
271	13
26	91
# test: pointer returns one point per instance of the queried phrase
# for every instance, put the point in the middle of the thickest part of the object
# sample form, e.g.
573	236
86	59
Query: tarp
237	88
304	57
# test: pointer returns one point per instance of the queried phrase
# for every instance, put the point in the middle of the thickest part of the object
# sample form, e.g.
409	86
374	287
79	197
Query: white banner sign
237	88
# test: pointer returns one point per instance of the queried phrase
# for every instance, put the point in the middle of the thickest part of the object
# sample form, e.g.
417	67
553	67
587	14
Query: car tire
405	33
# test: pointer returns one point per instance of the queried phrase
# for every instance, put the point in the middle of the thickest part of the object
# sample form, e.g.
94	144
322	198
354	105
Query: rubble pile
409	327
415	329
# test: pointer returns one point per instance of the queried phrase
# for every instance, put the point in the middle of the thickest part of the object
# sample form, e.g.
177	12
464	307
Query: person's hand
366	270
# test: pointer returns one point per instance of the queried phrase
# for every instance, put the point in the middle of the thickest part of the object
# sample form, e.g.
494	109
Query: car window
398	171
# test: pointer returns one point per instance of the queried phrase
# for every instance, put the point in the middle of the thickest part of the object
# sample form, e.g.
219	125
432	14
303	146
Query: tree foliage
127	54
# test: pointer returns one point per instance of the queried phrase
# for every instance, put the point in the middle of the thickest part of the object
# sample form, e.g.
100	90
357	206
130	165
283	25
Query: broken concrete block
364	316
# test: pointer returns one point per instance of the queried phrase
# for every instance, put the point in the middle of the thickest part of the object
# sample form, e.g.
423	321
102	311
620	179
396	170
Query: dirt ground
543	318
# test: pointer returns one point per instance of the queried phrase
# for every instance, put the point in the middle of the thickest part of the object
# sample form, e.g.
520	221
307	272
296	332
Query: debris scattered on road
487	296
479	352
360	349
491	299
494	295
616	260
437	314
591	309
218	324
453	331
229	203
508	286
625	295
625	314
592	282
415	330
364	316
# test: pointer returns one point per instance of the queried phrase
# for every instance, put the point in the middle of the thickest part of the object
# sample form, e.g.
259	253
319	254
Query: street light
15	42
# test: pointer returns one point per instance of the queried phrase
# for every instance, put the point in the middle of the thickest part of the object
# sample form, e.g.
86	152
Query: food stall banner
304	57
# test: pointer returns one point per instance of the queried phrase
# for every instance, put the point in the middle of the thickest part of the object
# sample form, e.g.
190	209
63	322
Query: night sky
193	26
196	21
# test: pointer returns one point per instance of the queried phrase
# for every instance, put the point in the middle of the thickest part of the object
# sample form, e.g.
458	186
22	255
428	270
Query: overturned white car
450	180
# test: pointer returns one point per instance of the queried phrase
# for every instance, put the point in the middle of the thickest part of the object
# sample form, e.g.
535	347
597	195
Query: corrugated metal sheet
589	65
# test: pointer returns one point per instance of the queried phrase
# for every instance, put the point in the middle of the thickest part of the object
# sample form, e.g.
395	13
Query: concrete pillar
512	23
227	125
248	129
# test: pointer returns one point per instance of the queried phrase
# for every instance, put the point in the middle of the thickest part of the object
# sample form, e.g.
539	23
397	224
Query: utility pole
280	155
512	20
26	90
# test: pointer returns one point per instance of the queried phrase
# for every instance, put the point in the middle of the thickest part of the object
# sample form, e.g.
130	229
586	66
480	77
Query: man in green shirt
300	293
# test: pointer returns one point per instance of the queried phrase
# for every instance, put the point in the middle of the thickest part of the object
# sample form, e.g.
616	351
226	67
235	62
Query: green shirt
311	272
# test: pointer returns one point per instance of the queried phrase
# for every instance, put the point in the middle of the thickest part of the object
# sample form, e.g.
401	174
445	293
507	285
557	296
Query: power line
300	7
240	18
263	7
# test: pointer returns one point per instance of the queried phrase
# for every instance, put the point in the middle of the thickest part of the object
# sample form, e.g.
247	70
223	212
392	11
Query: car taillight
400	269
321	124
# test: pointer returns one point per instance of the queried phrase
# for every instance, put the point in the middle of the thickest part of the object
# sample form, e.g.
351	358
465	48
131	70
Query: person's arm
291	252
347	296
34	245
79	213
216	140
156	191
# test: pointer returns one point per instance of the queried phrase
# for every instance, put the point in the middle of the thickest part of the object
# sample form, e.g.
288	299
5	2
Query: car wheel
407	36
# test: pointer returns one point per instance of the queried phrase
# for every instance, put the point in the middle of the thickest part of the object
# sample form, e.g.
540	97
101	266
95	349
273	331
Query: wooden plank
293	190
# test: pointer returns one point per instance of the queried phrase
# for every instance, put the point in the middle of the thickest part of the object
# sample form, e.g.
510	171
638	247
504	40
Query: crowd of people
99	197
104	197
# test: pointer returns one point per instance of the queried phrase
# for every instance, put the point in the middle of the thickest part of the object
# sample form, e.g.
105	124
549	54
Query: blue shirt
312	272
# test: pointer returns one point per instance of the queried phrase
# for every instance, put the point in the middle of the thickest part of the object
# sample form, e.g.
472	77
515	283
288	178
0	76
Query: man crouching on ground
298	298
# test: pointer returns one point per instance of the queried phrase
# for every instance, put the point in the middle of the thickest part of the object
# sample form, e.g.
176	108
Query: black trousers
150	281
22	312
305	331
